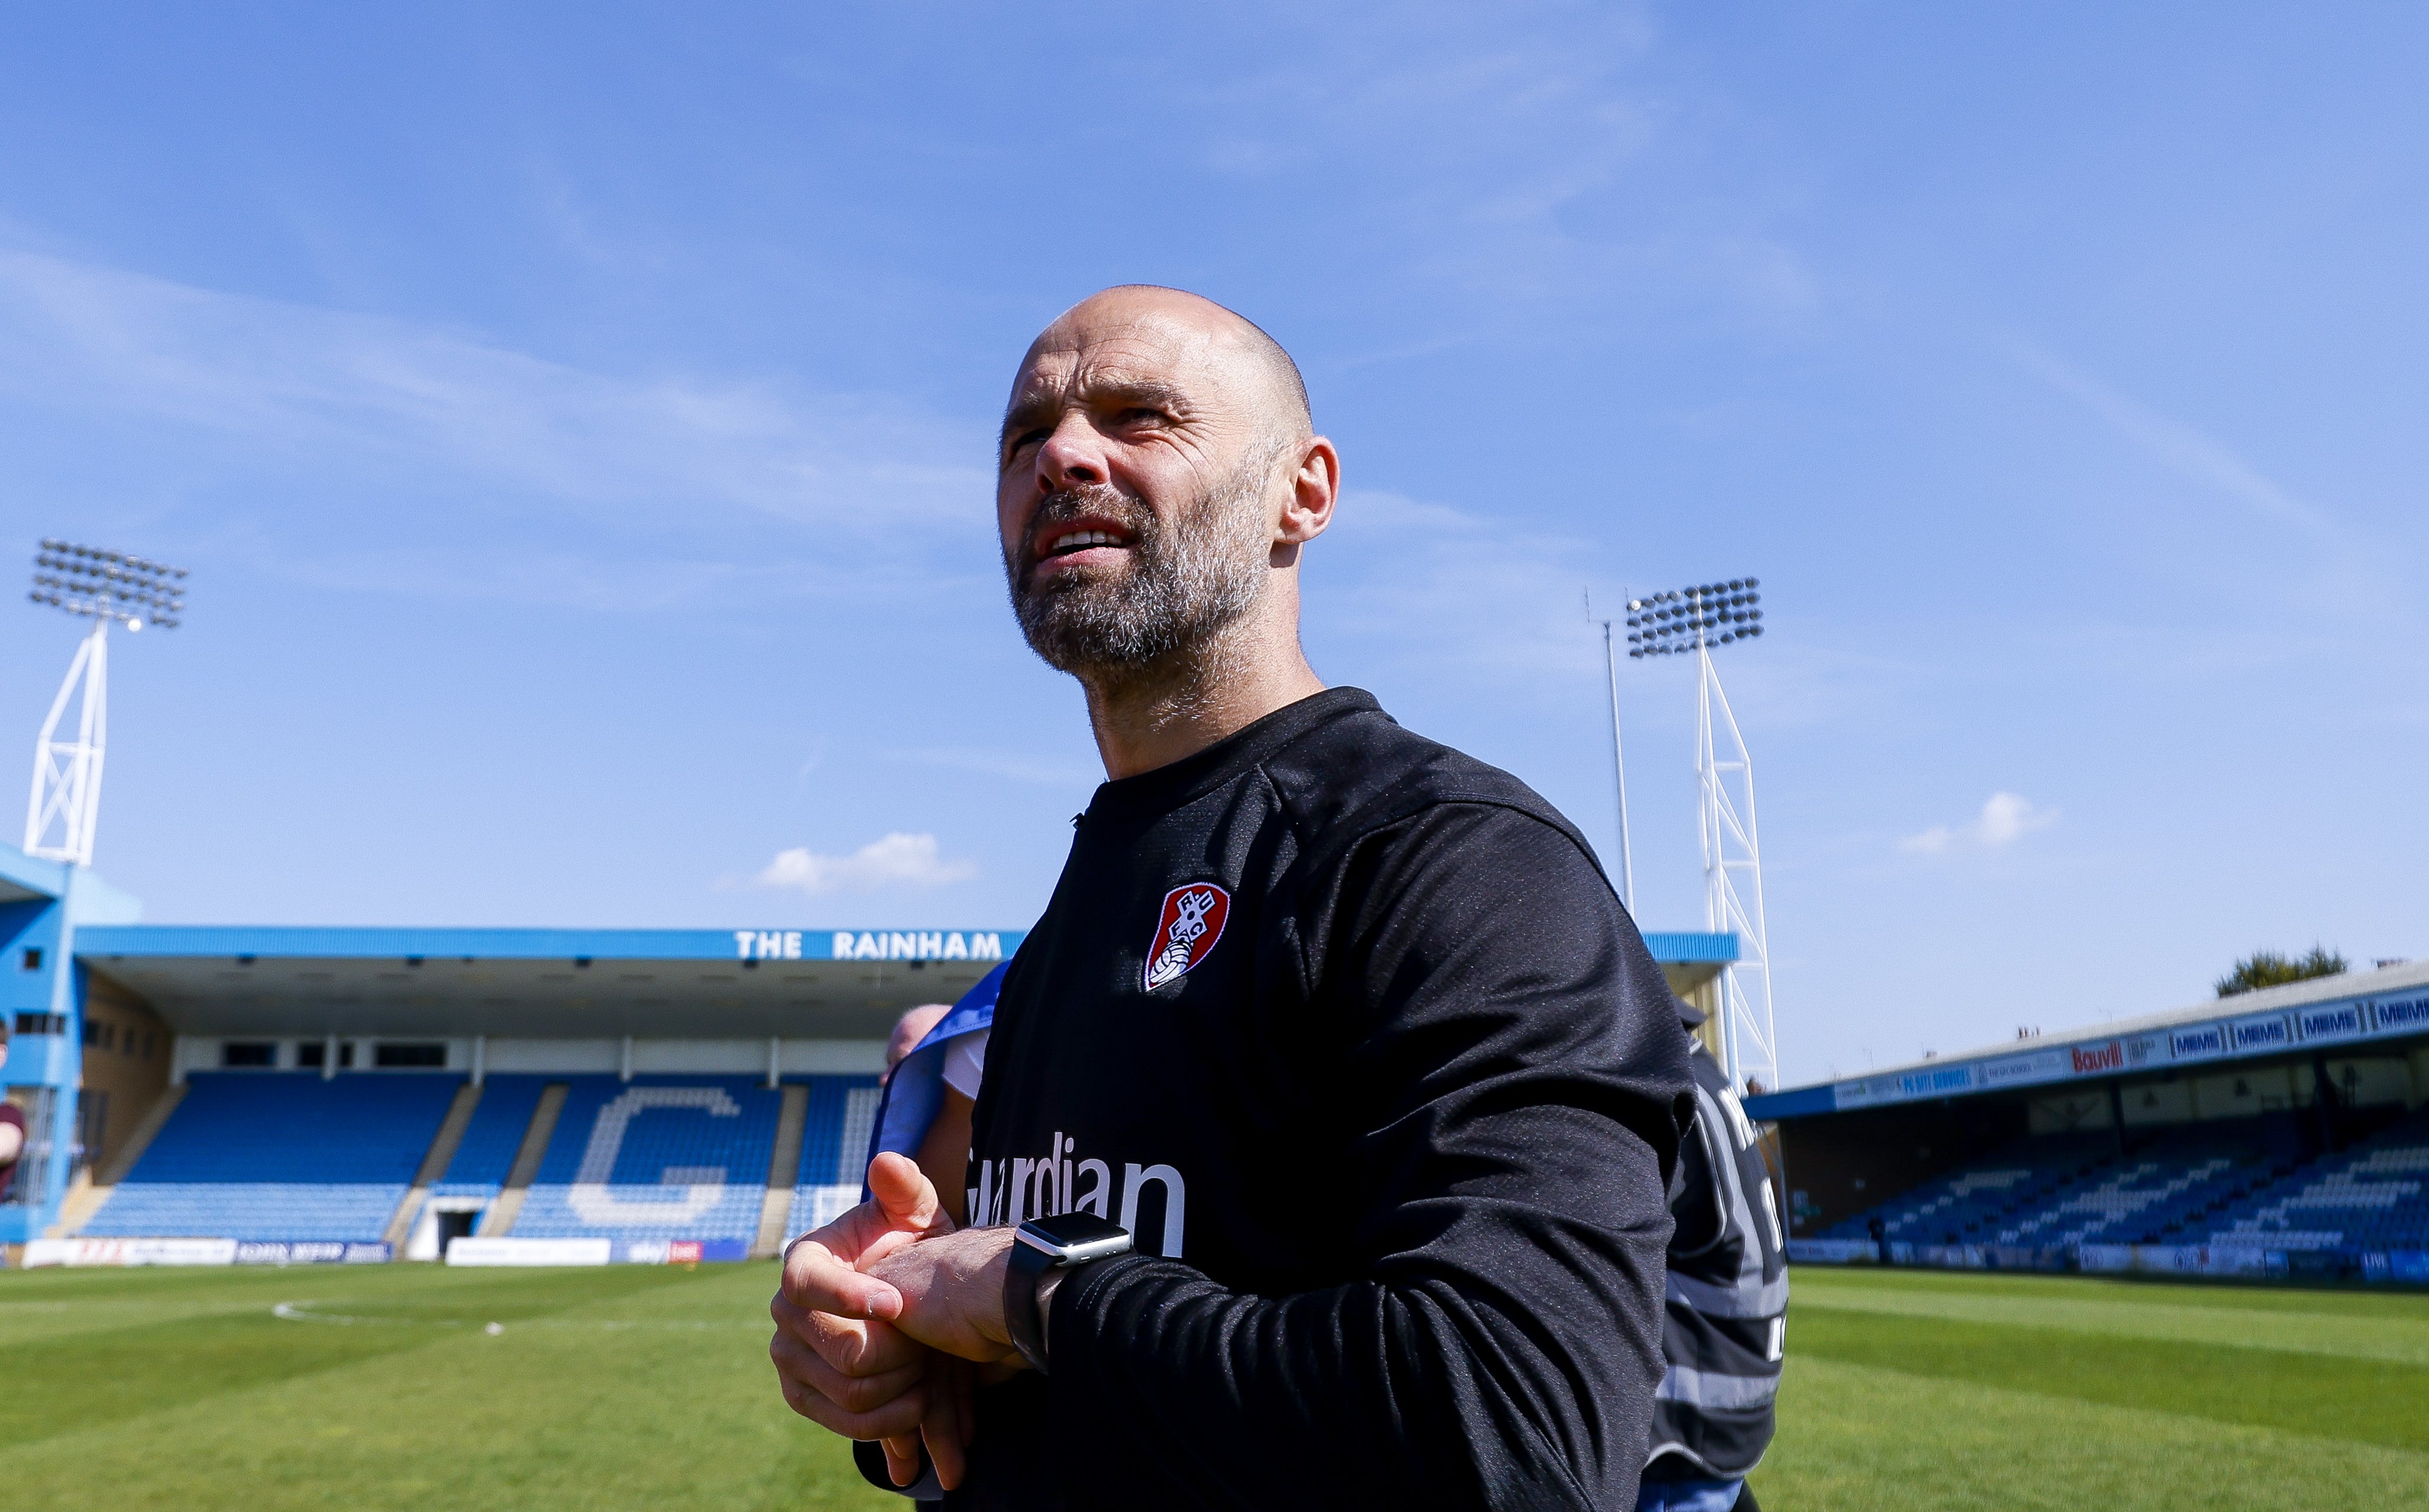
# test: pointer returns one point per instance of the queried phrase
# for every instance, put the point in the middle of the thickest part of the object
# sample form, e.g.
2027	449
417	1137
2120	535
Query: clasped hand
889	1316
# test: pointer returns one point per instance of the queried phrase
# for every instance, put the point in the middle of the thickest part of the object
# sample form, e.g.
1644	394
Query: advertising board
312	1252
131	1251
2336	1021
2263	1031
469	1250
2400	1015
680	1251
2023	1070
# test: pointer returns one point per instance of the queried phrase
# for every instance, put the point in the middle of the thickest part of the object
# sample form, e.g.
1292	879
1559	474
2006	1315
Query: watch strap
1023	1270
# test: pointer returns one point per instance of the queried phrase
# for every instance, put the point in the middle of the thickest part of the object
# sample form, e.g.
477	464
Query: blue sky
578	425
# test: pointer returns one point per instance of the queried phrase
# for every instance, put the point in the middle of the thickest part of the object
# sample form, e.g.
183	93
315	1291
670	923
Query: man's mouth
1071	541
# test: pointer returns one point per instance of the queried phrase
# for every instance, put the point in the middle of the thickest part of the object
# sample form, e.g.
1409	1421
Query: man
909	1030
1728	1306
1347	1030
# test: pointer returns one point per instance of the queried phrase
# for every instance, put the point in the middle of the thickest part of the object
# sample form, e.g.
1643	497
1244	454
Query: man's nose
1074	455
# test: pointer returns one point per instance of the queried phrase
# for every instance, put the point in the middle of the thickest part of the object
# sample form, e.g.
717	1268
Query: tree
2267	968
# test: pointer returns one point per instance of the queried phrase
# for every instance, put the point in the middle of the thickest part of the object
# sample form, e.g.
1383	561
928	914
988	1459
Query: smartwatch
1043	1245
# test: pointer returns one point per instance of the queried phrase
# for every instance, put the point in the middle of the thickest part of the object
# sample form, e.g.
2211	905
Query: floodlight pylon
1733	855
63	808
1618	762
66	797
1697	619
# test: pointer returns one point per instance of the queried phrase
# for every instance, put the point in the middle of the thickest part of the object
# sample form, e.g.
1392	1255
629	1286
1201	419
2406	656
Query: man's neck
1152	717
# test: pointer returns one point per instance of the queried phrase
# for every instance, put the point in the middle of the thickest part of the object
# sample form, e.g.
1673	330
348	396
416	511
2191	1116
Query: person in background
1727	1300
12	1128
931	1085
909	1030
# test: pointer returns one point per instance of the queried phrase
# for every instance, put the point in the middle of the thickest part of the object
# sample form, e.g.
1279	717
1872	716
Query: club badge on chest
1185	933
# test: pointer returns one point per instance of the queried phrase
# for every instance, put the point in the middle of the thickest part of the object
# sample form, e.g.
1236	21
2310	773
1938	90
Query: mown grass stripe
2375	1401
2402	1341
1855	1438
116	1374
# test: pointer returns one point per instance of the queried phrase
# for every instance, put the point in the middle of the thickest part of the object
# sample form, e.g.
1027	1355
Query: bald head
1225	338
1159	474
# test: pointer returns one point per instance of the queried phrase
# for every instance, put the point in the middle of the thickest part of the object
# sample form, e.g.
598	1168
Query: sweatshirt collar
1193	776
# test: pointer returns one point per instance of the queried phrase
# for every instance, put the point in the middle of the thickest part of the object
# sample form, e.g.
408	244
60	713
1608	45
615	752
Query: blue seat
658	1158
280	1156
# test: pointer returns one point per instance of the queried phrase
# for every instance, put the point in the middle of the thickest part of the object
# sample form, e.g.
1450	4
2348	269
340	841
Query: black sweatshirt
1349	1029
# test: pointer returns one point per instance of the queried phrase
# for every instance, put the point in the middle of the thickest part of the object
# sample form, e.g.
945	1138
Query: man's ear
1315	488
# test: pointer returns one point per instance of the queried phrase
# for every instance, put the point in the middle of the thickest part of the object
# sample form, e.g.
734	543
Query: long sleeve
1504	1053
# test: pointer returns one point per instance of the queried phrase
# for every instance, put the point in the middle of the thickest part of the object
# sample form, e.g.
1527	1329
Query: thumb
903	1192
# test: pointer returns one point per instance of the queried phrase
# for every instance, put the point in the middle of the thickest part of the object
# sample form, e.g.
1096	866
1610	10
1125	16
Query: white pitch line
302	1312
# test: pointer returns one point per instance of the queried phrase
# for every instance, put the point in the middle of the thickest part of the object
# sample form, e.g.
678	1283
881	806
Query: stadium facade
2279	1133
280	1094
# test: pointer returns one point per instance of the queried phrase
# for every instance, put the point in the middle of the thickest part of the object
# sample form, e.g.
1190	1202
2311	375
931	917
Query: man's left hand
952	1287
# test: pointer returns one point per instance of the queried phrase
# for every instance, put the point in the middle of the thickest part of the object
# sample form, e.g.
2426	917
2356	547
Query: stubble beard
1163	618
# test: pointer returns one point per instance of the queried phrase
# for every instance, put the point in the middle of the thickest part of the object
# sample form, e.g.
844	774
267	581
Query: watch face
1073	1229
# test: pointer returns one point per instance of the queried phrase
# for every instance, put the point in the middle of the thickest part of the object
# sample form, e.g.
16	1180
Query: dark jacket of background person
1727	1290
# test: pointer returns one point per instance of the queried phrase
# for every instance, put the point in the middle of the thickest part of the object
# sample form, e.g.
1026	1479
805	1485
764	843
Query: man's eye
1141	415
1024	441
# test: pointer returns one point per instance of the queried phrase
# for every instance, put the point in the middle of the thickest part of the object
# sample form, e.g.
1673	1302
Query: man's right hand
841	1362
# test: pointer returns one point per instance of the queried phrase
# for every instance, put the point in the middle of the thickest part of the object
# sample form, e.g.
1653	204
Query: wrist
1042	1252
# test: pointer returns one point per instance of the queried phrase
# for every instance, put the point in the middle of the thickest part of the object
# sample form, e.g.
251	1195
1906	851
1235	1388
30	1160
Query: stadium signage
2257	1034
311	1252
868	945
2409	1014
1943	1079
680	1251
2092	1060
131	1251
926	944
2147	1049
2341	1021
469	1250
2269	1033
2041	1065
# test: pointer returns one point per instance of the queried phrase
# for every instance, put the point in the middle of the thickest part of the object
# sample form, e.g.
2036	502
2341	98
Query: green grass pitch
646	1387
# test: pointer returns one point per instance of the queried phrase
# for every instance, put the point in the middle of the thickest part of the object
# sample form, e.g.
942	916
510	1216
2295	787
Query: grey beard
1185	585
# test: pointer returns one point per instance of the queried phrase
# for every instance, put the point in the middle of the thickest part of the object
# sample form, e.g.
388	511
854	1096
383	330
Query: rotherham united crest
1192	922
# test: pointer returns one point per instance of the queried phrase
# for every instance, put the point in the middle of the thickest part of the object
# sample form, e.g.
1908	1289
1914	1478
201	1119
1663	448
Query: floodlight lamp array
101	585
1710	614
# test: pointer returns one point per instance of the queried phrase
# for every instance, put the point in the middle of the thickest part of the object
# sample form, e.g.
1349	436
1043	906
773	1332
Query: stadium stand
280	1156
835	1139
2251	1182
1969	1207
2367	1197
658	1158
2156	1190
491	1140
2057	1189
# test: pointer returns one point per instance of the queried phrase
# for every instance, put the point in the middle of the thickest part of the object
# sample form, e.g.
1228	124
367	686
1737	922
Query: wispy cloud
897	859
2005	818
393	393
2179	447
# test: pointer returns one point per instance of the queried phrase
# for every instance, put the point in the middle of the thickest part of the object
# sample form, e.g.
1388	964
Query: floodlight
1693	619
1696	619
107	587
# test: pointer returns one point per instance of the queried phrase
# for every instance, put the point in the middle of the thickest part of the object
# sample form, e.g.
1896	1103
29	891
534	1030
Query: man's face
1134	491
